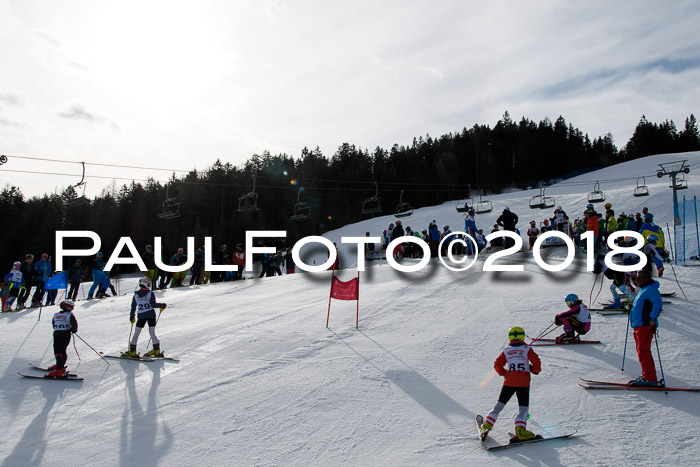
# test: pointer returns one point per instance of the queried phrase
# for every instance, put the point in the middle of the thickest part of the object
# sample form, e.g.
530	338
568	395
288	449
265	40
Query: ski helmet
516	333
17	264
571	299
532	222
546	222
506	208
67	305
589	206
652	239
607	205
99	255
145	283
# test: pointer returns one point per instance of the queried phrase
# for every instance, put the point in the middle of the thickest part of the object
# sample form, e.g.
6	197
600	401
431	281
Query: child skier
520	360
144	306
15	279
532	234
64	326
577	319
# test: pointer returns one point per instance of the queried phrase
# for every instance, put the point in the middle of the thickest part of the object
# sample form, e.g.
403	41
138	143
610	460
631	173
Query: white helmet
145	283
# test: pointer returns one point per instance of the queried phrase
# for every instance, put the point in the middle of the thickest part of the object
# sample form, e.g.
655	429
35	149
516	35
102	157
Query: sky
179	84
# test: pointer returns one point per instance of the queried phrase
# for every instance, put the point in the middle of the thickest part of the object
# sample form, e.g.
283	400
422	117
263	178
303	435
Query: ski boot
485	428
616	304
131	353
521	434
661	271
155	352
57	373
643	383
566	338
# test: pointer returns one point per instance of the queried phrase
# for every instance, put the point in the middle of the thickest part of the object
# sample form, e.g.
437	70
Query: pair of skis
141	359
543	342
513	441
67	376
592	384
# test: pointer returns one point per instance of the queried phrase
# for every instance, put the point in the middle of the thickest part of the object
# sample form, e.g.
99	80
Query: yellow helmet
516	333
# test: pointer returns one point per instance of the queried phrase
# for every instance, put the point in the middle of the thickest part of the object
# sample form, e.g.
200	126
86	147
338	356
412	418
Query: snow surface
261	380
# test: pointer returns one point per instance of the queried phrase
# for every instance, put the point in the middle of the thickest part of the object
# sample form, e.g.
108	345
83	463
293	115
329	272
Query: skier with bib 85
577	319
64	326
143	307
515	364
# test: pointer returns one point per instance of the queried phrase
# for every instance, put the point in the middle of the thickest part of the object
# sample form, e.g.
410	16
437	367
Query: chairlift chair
171	206
403	209
249	201
464	205
80	200
681	183
596	196
483	206
372	205
641	190
542	201
302	211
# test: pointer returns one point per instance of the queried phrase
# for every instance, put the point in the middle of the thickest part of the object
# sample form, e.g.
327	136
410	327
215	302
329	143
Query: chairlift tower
673	169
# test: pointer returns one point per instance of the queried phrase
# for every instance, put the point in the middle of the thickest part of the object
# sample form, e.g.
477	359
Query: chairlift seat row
542	201
403	209
249	201
372	205
464	206
641	189
596	196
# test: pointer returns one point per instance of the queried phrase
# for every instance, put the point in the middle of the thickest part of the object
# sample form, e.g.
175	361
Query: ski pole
130	332
624	351
543	333
100	355
658	353
76	349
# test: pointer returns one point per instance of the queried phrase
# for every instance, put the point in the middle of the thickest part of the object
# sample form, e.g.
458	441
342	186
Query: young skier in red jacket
515	364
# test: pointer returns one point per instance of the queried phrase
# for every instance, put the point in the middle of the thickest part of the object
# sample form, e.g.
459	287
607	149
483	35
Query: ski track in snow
261	381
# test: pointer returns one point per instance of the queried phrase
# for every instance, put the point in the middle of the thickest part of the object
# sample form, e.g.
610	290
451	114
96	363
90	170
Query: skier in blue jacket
644	314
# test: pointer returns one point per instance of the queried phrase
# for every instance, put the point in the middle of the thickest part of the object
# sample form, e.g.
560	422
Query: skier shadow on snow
31	448
418	388
143	439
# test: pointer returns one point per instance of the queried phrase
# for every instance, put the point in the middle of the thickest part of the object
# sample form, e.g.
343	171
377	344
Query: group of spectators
29	276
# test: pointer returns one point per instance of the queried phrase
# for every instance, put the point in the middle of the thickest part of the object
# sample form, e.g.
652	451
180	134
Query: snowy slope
262	381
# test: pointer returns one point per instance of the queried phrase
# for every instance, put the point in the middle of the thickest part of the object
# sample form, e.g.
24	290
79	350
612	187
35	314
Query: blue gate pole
697	233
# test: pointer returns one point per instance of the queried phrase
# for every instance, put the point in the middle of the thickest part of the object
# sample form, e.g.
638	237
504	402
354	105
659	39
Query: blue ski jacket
646	306
42	270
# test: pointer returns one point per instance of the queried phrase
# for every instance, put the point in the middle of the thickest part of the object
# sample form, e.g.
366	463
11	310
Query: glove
165	305
652	325
533	371
558	321
132	319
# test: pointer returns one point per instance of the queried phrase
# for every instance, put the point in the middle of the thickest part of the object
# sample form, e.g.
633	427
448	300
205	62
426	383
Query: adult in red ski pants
643	336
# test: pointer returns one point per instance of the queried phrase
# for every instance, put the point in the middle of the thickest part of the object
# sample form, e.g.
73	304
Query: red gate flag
345	290
349	290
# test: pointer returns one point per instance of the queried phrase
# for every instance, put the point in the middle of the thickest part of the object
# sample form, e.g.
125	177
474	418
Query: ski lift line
98	164
229	185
